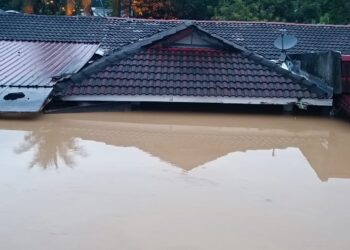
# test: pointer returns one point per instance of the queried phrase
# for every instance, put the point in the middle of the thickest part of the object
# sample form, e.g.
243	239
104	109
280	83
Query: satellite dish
285	42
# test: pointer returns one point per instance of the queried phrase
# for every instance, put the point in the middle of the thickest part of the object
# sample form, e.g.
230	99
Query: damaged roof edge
31	69
24	100
326	90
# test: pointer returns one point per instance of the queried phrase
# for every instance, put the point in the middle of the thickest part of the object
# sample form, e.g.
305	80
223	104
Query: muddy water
174	181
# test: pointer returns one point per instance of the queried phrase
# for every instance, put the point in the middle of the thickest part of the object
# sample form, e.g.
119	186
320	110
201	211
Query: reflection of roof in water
189	143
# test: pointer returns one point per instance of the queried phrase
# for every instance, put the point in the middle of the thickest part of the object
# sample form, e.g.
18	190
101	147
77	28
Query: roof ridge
58	16
274	23
185	49
149	19
192	20
229	21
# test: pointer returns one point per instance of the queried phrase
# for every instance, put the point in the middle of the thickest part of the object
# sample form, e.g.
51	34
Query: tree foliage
305	11
164	9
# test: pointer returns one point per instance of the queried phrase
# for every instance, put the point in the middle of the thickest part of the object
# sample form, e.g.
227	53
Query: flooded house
221	178
92	59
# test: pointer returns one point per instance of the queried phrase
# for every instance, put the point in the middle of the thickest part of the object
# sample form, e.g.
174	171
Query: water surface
157	180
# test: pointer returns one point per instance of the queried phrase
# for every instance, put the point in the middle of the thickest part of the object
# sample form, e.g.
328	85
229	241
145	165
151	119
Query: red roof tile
191	72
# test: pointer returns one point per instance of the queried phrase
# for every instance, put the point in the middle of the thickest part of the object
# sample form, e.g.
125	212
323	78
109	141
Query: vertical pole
130	8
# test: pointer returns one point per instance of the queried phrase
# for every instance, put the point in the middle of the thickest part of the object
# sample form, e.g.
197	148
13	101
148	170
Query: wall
325	65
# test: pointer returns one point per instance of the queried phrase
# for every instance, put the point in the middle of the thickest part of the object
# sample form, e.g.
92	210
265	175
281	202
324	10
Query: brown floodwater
157	180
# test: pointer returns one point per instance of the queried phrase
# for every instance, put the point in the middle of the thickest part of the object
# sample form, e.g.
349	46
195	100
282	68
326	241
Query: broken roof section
29	70
188	64
115	33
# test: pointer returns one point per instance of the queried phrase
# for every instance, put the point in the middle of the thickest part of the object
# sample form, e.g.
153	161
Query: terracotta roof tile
206	78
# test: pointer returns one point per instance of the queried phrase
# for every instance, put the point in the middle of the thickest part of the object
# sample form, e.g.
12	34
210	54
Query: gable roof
114	33
225	73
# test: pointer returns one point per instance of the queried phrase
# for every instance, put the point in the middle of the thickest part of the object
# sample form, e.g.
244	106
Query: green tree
195	9
165	9
306	11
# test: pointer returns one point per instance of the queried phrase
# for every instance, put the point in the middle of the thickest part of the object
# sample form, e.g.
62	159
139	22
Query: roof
191	72
29	70
259	36
225	73
114	33
34	64
22	27
110	33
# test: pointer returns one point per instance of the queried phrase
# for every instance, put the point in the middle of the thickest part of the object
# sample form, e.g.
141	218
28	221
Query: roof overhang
192	99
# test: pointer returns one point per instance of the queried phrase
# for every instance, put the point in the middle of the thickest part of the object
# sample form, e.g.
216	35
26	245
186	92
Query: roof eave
201	99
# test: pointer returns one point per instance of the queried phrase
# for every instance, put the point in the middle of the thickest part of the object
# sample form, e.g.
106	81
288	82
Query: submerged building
94	59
